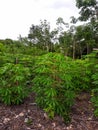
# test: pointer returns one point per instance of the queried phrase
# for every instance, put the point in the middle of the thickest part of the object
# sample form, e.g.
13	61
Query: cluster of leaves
92	60
82	75
53	85
94	98
15	68
59	79
13	87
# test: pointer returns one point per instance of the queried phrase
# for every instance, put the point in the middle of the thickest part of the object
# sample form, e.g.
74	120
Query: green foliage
41	35
82	72
94	98
53	85
13	87
56	79
2	48
88	9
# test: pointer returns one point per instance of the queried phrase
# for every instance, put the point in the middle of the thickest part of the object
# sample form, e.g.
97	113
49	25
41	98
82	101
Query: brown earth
28	116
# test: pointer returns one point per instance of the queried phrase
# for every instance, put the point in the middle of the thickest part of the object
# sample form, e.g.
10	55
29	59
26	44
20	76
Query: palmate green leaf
18	89
95	76
18	78
5	95
7	100
95	82
43	69
51	104
42	80
61	109
69	95
17	101
46	63
51	92
3	70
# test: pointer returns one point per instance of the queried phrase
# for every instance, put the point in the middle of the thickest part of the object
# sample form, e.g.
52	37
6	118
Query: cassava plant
13	87
83	70
82	75
94	95
53	85
91	64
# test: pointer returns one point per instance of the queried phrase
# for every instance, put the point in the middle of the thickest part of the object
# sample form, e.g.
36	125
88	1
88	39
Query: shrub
53	85
94	98
82	72
13	87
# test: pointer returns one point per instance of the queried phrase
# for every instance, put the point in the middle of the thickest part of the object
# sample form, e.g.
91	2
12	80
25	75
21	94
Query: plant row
54	78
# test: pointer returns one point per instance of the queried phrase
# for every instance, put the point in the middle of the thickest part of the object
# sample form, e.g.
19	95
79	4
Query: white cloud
16	16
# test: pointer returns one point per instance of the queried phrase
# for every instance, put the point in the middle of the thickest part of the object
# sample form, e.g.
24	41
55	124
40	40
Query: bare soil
28	116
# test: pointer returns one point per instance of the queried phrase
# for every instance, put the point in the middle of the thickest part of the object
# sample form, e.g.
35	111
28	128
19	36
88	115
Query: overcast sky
16	16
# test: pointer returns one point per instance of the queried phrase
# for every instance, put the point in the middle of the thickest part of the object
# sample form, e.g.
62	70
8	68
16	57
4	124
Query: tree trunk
74	49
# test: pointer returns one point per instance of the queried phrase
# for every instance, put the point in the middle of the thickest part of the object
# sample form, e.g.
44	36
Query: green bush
94	98
13	87
53	84
82	73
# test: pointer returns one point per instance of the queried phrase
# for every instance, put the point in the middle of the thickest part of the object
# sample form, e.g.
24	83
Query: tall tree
88	9
84	38
65	41
73	32
89	13
41	35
